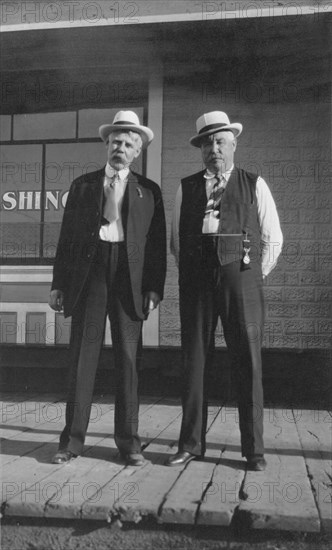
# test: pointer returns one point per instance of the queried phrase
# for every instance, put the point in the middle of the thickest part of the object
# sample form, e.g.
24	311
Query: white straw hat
213	122
127	120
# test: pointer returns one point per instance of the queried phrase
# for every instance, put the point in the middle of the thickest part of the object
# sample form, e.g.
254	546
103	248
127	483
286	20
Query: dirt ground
29	534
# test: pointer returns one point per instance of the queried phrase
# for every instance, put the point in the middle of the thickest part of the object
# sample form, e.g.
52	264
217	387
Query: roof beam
18	15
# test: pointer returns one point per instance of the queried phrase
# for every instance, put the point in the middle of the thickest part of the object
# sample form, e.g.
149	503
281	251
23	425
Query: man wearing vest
226	238
111	260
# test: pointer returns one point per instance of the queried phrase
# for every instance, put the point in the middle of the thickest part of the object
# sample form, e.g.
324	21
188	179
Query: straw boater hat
127	120
213	122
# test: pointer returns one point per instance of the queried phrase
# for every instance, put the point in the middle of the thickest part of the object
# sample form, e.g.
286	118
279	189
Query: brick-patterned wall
288	143
272	74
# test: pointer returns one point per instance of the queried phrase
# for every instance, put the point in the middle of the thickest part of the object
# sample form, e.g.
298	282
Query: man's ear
234	144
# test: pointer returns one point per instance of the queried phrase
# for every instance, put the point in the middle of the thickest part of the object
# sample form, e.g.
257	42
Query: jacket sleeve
62	264
154	272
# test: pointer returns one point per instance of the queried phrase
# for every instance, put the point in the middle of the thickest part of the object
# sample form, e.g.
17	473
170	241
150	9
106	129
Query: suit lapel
132	193
96	186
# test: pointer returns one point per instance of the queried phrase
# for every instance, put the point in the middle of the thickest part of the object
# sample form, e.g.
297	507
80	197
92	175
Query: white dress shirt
271	235
113	232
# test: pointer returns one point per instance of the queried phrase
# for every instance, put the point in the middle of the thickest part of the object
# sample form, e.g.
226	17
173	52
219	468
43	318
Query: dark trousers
107	291
235	294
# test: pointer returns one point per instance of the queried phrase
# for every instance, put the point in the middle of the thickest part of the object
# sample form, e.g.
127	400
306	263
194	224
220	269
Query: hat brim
146	134
236	128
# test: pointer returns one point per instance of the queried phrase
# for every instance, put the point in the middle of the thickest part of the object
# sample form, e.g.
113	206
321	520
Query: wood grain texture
292	494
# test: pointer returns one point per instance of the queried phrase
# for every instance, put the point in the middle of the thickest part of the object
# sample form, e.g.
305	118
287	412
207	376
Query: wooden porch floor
294	493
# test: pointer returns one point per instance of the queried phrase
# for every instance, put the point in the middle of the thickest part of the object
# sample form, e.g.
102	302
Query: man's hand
56	300
150	302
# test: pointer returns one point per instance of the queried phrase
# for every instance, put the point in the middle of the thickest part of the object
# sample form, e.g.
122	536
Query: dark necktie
213	204
111	209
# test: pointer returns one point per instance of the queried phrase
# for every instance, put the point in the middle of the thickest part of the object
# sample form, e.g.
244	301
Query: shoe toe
134	459
180	459
256	463
61	457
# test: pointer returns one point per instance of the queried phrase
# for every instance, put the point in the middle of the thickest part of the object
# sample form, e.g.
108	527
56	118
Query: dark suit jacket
145	237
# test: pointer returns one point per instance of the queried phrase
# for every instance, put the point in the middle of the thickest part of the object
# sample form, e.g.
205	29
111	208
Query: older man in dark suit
226	238
111	260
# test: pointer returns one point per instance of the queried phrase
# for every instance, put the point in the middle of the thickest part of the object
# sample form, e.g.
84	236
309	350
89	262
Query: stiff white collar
210	175
111	172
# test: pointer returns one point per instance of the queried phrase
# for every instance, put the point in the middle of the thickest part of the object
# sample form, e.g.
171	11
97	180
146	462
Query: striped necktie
213	204
111	207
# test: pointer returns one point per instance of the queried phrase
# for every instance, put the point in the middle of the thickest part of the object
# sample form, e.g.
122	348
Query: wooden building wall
271	74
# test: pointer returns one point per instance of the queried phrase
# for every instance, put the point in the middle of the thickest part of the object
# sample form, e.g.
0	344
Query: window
41	154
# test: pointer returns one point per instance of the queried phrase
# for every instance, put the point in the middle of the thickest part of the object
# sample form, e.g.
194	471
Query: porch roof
23	16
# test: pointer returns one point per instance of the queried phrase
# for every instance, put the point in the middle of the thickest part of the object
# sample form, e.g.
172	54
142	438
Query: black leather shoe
256	463
133	459
180	459
63	456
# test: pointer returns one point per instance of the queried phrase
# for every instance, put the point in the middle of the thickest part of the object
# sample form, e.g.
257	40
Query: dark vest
238	218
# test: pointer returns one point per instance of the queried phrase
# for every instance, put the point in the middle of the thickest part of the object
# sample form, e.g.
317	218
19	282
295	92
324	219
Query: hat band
212	127
124	122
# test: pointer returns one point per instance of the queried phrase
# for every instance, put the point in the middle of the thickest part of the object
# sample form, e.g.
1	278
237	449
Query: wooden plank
29	443
57	485
167	441
12	405
31	440
34	417
280	497
221	496
99	441
182	501
32	444
103	430
159	416
96	448
100	505
153	488
133	493
181	504
43	410
56	491
144	493
26	488
153	419
119	498
215	434
50	482
86	481
23	438
158	449
99	486
314	429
